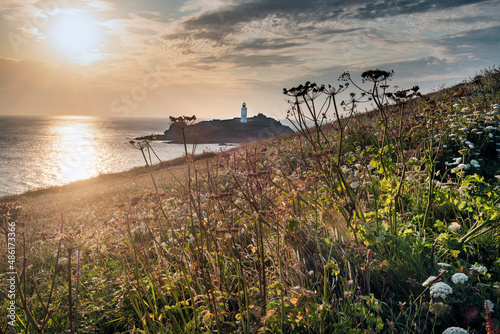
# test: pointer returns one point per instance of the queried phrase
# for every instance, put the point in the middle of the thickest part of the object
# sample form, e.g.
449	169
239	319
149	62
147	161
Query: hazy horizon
205	57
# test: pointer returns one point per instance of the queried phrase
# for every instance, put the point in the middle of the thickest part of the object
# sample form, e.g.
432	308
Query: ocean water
46	151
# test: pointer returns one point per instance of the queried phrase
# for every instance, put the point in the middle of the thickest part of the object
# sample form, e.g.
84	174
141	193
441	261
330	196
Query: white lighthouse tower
244	113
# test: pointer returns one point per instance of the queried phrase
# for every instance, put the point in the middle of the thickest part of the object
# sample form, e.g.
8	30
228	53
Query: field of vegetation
384	221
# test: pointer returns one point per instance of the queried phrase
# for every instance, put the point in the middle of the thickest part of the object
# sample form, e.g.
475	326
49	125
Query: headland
224	131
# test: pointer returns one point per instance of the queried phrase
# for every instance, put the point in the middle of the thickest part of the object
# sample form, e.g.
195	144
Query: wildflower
454	226
455	330
453	126
456	105
62	261
442	264
429	280
479	269
462	166
459	278
475	164
190	239
490	304
354	185
440	289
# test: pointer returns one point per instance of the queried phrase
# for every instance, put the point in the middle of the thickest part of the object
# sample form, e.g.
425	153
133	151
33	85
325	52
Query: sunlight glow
75	151
74	34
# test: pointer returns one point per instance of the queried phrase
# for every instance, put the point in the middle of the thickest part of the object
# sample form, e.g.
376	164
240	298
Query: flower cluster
479	269
459	278
440	289
455	330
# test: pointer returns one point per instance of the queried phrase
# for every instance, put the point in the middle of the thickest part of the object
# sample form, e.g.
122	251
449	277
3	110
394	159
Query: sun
74	34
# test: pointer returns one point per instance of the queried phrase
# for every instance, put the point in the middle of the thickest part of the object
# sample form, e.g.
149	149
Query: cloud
229	20
267	44
475	44
406	7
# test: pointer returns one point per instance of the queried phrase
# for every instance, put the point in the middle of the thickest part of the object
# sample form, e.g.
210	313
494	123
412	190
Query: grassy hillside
379	222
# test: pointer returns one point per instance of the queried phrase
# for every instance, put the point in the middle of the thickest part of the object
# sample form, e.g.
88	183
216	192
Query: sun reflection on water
74	150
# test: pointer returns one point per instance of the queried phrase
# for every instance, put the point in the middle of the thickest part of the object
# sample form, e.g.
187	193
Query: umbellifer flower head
459	278
440	289
490	304
479	269
455	330
442	264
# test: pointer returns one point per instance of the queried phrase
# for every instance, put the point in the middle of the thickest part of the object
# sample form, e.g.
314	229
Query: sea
38	152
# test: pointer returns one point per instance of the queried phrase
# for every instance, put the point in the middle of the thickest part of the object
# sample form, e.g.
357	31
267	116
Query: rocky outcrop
226	131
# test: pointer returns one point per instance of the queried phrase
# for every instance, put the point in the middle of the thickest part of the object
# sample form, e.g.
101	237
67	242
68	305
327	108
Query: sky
160	58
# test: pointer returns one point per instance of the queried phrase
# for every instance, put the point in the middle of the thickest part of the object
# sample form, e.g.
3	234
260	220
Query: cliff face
228	131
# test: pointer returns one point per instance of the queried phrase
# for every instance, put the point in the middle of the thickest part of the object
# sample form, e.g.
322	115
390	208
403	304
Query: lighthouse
244	113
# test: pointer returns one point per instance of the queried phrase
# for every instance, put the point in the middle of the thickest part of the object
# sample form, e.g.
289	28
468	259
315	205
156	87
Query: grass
333	229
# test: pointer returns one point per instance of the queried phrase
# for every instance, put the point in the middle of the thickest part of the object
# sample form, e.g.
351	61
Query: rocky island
237	130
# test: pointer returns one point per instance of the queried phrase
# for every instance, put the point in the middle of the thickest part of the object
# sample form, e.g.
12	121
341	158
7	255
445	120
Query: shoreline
103	178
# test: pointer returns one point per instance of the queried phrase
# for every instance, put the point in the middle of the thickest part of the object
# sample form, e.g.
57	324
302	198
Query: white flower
440	289
455	330
62	261
454	226
474	163
442	264
462	166
190	238
490	305
354	185
456	105
429	280
459	278
479	269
